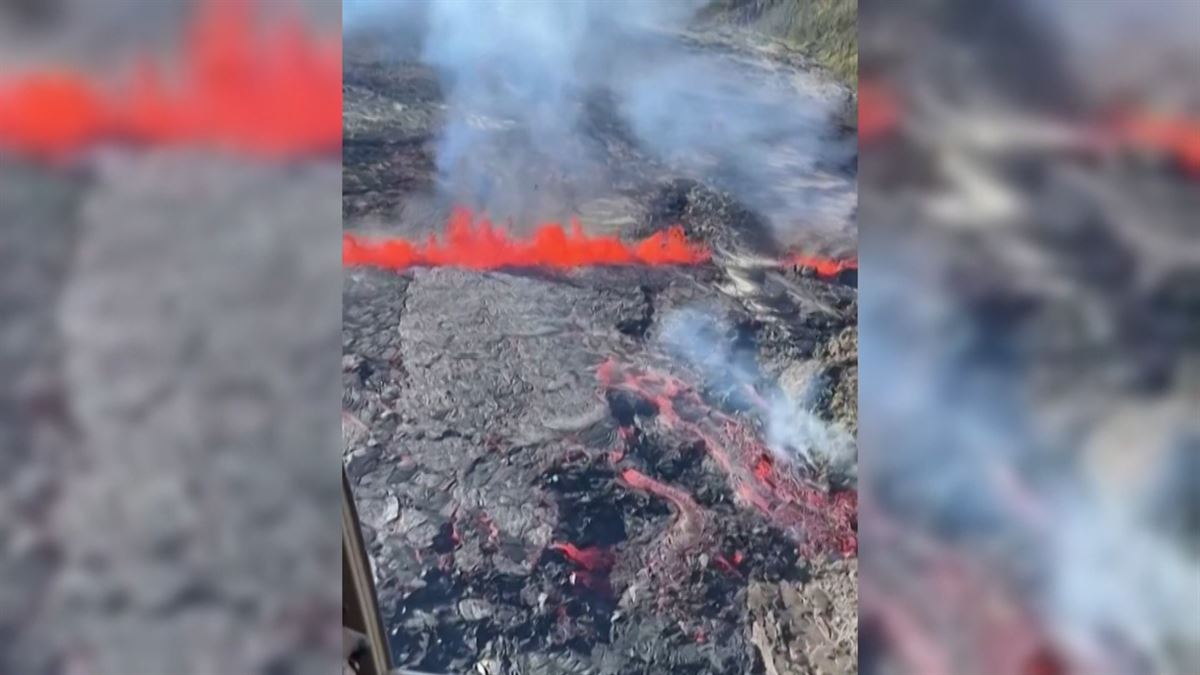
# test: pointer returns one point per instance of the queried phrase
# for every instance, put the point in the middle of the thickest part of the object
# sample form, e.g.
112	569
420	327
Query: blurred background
1030	313
169	337
1030	310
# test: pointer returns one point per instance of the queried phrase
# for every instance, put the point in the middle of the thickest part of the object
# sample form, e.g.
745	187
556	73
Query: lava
821	521
278	94
689	529
590	558
878	110
594	565
825	268
1176	137
689	511
477	244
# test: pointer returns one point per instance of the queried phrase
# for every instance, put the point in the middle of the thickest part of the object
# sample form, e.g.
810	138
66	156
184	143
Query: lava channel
275	94
821	521
475	243
826	268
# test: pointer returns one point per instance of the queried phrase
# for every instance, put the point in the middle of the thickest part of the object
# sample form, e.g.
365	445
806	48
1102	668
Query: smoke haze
792	428
519	77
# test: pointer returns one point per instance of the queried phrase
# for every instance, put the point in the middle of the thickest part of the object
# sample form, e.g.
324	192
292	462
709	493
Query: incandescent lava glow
274	94
822	521
477	244
1176	137
824	267
878	110
590	558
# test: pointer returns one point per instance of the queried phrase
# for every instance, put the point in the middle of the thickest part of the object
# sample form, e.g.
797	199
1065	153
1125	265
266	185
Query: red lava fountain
278	94
477	244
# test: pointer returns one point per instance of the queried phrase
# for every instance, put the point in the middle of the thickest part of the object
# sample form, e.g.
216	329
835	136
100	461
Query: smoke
954	451
793	430
1118	49
521	80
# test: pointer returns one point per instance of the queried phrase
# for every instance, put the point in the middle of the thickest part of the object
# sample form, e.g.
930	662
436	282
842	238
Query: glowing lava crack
477	244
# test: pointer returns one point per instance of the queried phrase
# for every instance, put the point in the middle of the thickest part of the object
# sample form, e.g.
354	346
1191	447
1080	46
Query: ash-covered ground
546	485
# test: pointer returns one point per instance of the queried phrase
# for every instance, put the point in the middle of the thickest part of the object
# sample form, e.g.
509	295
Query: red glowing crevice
274	94
689	511
595	564
590	558
690	526
477	244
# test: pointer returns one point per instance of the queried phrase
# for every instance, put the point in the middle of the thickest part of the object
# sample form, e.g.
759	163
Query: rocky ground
526	514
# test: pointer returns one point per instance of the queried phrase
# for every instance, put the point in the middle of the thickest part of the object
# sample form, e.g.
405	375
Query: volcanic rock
555	518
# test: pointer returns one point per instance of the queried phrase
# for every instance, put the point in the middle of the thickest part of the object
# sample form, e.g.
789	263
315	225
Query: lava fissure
590	558
475	243
278	94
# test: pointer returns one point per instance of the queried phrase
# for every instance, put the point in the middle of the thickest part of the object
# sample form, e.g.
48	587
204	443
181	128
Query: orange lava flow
1174	136
477	244
590	558
275	94
824	267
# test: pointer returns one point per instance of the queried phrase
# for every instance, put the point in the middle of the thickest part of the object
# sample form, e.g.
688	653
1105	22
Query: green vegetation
825	30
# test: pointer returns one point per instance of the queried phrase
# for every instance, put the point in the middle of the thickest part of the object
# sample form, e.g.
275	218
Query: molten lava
276	96
821	521
477	244
826	268
590	558
1176	137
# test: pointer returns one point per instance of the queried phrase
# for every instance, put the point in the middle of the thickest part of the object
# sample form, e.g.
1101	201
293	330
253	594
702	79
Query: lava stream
590	558
278	95
825	268
821	521
477	244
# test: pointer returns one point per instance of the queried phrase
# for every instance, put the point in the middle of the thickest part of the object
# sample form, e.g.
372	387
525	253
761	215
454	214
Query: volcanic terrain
548	482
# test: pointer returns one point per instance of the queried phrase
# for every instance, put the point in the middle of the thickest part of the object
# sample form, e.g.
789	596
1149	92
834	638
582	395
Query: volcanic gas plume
478	244
274	94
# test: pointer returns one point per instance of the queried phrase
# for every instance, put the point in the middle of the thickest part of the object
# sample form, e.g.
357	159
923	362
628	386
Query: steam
794	433
518	77
953	449
1117	48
